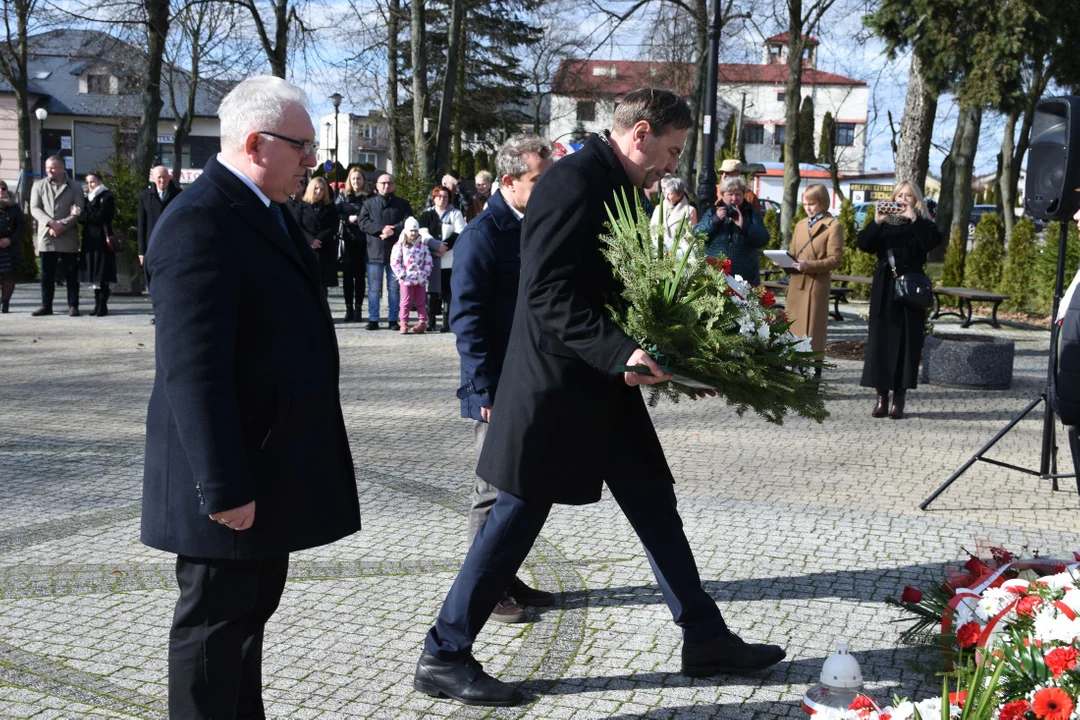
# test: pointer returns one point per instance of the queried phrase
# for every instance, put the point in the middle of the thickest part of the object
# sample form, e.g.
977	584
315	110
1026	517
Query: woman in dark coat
321	223
896	330
97	264
11	229
349	203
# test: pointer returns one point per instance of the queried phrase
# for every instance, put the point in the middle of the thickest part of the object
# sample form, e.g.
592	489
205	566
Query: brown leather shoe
882	407
507	611
531	597
41	311
897	411
73	312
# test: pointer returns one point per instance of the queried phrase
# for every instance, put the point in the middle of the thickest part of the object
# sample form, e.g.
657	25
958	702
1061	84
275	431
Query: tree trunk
393	17
971	119
419	91
1006	189
442	142
22	109
459	91
916	129
792	102
945	200
157	28
697	95
278	55
1013	155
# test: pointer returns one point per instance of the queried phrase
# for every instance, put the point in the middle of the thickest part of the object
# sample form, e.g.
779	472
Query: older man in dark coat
569	417
152	202
382	219
485	284
247	458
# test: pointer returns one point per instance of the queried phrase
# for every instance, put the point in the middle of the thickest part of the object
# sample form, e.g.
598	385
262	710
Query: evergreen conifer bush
1017	278
982	270
952	272
1046	265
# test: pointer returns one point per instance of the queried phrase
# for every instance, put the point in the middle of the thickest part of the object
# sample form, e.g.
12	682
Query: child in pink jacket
411	262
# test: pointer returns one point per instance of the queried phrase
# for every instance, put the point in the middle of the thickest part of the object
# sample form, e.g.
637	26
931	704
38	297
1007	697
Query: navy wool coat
564	418
245	404
484	284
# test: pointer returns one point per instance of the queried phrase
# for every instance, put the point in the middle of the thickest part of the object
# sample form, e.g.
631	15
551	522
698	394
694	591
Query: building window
97	84
845	134
367	132
370	158
779	97
778	135
586	112
754	134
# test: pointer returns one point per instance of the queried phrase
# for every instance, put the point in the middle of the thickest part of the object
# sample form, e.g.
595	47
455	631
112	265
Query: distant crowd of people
368	236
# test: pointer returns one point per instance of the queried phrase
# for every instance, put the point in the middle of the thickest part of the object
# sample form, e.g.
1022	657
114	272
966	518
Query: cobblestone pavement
801	532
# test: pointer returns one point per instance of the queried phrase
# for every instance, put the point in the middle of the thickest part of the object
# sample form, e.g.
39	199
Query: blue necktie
276	210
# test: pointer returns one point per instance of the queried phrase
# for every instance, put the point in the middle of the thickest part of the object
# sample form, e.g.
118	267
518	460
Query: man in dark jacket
382	219
247	458
484	291
1066	391
152	202
569	416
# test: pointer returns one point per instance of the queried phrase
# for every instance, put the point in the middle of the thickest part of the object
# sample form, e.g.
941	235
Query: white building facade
586	93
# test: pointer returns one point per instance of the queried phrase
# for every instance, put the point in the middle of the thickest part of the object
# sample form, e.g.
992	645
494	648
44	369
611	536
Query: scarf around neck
94	193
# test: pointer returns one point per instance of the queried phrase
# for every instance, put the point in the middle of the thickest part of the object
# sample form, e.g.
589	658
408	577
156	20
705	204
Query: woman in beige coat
818	247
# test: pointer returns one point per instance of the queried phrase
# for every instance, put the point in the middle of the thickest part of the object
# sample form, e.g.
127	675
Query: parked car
766	204
861	210
976	214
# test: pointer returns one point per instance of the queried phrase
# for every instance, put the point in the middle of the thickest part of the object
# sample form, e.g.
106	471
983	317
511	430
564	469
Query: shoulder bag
913	288
114	241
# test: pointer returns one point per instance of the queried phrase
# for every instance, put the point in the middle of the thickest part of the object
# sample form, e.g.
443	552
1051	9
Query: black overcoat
96	263
245	404
150	208
563	411
377	212
896	330
321	223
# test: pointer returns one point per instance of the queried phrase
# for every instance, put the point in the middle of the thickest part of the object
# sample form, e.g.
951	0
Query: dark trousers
513	526
70	262
354	275
215	645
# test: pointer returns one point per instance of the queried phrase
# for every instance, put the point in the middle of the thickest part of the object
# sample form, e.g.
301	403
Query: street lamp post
41	114
706	191
336	99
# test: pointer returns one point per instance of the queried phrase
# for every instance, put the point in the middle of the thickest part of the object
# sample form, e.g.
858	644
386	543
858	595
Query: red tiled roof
783	38
576	78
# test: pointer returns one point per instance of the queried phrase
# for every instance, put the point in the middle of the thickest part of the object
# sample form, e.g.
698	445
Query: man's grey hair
483	176
673	183
511	158
734	183
255	105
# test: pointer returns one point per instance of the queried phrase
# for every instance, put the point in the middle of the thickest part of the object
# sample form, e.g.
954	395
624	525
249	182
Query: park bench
966	296
836	294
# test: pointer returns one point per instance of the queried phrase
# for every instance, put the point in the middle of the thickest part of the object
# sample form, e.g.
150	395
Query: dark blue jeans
375	272
513	526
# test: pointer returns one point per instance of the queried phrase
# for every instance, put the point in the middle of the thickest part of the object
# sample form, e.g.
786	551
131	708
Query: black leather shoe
525	595
43	310
373	326
395	326
728	654
464	681
73	312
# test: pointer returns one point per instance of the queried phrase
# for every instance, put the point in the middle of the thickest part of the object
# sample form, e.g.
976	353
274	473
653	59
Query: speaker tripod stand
1048	469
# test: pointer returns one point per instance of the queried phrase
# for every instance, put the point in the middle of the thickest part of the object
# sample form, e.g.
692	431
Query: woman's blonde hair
819	194
309	194
920	203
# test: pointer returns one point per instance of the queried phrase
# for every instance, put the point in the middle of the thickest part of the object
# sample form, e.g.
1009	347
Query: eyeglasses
384	182
309	148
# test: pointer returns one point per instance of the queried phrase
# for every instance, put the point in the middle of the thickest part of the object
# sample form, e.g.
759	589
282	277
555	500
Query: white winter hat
412	224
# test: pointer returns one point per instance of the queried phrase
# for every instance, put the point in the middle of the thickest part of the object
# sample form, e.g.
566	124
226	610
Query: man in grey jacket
55	202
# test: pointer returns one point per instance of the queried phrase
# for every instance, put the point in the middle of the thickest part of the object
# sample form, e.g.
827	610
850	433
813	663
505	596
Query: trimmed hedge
982	270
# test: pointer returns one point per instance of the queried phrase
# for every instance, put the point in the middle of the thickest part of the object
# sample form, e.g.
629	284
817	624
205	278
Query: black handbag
913	288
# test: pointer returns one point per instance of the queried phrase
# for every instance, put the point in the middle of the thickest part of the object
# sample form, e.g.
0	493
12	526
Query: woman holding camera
735	230
901	235
818	247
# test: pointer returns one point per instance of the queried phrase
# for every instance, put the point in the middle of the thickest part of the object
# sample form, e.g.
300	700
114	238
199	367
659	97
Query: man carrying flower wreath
568	418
